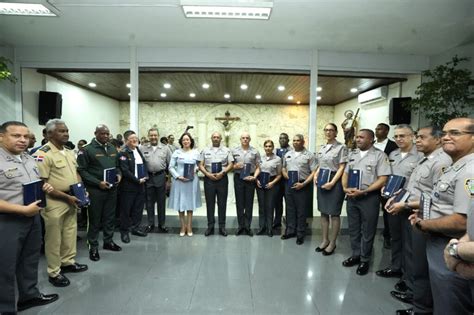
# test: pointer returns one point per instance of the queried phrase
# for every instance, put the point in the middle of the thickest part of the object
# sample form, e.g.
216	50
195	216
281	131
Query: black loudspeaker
398	114
49	106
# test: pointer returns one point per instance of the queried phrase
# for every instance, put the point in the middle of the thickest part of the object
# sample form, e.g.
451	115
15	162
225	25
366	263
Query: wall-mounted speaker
398	114
49	106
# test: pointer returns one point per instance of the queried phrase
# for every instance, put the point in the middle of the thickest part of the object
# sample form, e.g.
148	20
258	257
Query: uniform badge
469	186
123	158
39	158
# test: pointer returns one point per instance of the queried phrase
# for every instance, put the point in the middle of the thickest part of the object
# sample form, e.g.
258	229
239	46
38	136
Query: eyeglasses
329	130
400	136
455	133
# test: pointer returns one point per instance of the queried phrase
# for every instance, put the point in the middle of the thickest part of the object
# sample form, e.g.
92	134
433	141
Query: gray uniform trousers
396	236
362	216
216	189
297	203
156	193
244	194
266	204
20	243
101	212
406	248
420	277
451	292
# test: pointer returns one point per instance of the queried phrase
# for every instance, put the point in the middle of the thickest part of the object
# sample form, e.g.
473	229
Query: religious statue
349	126
227	122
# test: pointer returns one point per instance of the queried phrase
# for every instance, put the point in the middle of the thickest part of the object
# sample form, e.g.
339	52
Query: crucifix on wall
227	122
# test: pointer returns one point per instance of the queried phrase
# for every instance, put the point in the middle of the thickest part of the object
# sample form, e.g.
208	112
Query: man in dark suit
387	146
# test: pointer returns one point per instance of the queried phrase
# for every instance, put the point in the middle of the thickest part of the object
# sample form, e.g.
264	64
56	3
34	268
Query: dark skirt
330	201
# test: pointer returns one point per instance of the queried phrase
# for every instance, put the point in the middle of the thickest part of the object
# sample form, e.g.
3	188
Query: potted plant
5	73
445	93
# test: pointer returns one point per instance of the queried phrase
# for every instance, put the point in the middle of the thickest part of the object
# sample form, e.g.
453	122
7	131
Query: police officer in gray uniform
402	161
216	184
363	202
245	188
451	292
20	227
415	286
298	196
157	160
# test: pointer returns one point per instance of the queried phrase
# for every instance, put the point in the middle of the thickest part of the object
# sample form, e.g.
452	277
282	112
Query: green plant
445	94
5	73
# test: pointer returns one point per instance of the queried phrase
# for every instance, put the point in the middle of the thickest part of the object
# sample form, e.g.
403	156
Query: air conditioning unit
375	95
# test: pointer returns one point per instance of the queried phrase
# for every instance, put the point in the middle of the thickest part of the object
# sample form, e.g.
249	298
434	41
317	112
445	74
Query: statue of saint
349	126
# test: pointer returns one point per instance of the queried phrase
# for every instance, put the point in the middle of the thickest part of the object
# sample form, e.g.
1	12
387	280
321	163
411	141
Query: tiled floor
168	274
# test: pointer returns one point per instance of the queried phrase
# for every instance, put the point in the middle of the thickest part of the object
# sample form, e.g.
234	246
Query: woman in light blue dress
185	192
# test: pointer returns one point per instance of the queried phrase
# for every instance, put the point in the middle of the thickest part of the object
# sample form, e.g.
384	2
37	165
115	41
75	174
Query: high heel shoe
182	233
320	249
190	232
326	253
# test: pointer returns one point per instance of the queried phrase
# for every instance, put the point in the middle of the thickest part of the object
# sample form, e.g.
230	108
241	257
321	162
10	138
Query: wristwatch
453	250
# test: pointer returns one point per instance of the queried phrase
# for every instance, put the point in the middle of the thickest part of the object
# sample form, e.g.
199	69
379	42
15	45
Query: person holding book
267	188
280	194
132	187
246	169
299	166
185	195
332	158
365	174
92	160
20	227
402	161
216	162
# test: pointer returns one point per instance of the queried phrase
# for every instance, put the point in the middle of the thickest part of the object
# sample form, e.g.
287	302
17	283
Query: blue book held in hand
188	170
79	191
324	176
110	176
355	177
216	167
264	179
141	171
245	171
33	191
293	178
402	196
394	183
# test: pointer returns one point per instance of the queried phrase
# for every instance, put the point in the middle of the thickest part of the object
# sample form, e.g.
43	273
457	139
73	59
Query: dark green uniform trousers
101	213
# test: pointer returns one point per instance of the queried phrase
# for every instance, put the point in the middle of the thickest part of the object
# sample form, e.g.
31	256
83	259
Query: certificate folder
110	176
293	178
33	191
324	176
264	179
355	177
141	171
188	170
394	184
425	206
402	196
245	171
79	191
216	167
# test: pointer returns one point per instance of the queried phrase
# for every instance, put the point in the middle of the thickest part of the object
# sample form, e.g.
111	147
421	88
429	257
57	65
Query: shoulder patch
469	186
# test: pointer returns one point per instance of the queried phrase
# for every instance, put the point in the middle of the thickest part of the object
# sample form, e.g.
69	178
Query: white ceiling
422	27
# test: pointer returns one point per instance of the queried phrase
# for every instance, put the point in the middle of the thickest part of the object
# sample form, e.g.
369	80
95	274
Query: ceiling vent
372	96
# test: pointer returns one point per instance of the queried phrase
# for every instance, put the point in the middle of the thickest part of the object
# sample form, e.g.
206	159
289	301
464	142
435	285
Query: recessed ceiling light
226	95
261	11
244	86
298	102
92	84
354	90
318	98
205	86
290	97
192	95
319	89
129	94
167	85
281	88
163	94
9	8
128	85
258	96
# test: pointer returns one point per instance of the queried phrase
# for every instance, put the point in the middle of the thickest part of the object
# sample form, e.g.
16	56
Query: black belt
238	174
156	173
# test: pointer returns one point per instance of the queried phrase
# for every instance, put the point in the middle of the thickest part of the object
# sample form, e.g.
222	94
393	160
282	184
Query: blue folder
216	167
402	196
110	176
188	170
245	171
293	178
141	171
355	177
264	179
33	191
281	152
79	191
394	183
324	176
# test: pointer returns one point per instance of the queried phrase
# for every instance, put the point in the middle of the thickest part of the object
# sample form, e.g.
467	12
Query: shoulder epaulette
45	148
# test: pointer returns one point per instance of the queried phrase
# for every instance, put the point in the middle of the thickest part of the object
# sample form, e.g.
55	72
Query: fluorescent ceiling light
226	95
92	84
129	94
281	88
129	85
205	86
258	96
163	94
30	9
354	90
290	97
229	9
192	95
319	89
167	86
318	98
244	86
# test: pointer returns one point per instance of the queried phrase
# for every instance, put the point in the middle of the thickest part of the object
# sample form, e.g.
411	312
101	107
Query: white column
133	89
311	145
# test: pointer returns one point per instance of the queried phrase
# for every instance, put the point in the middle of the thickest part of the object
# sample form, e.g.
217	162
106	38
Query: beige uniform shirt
215	155
157	159
404	166
373	165
331	155
251	156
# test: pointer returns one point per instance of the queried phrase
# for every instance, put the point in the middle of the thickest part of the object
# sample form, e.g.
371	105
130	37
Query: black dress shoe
363	268
387	244
112	246
222	232
276	226
326	253
249	232
402	296
59	281
409	311
389	273
401	286
240	231
351	261
149	228
287	236
125	237
270	233
299	240
75	267
163	229
94	254
320	249
261	231
138	232
209	231
42	299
